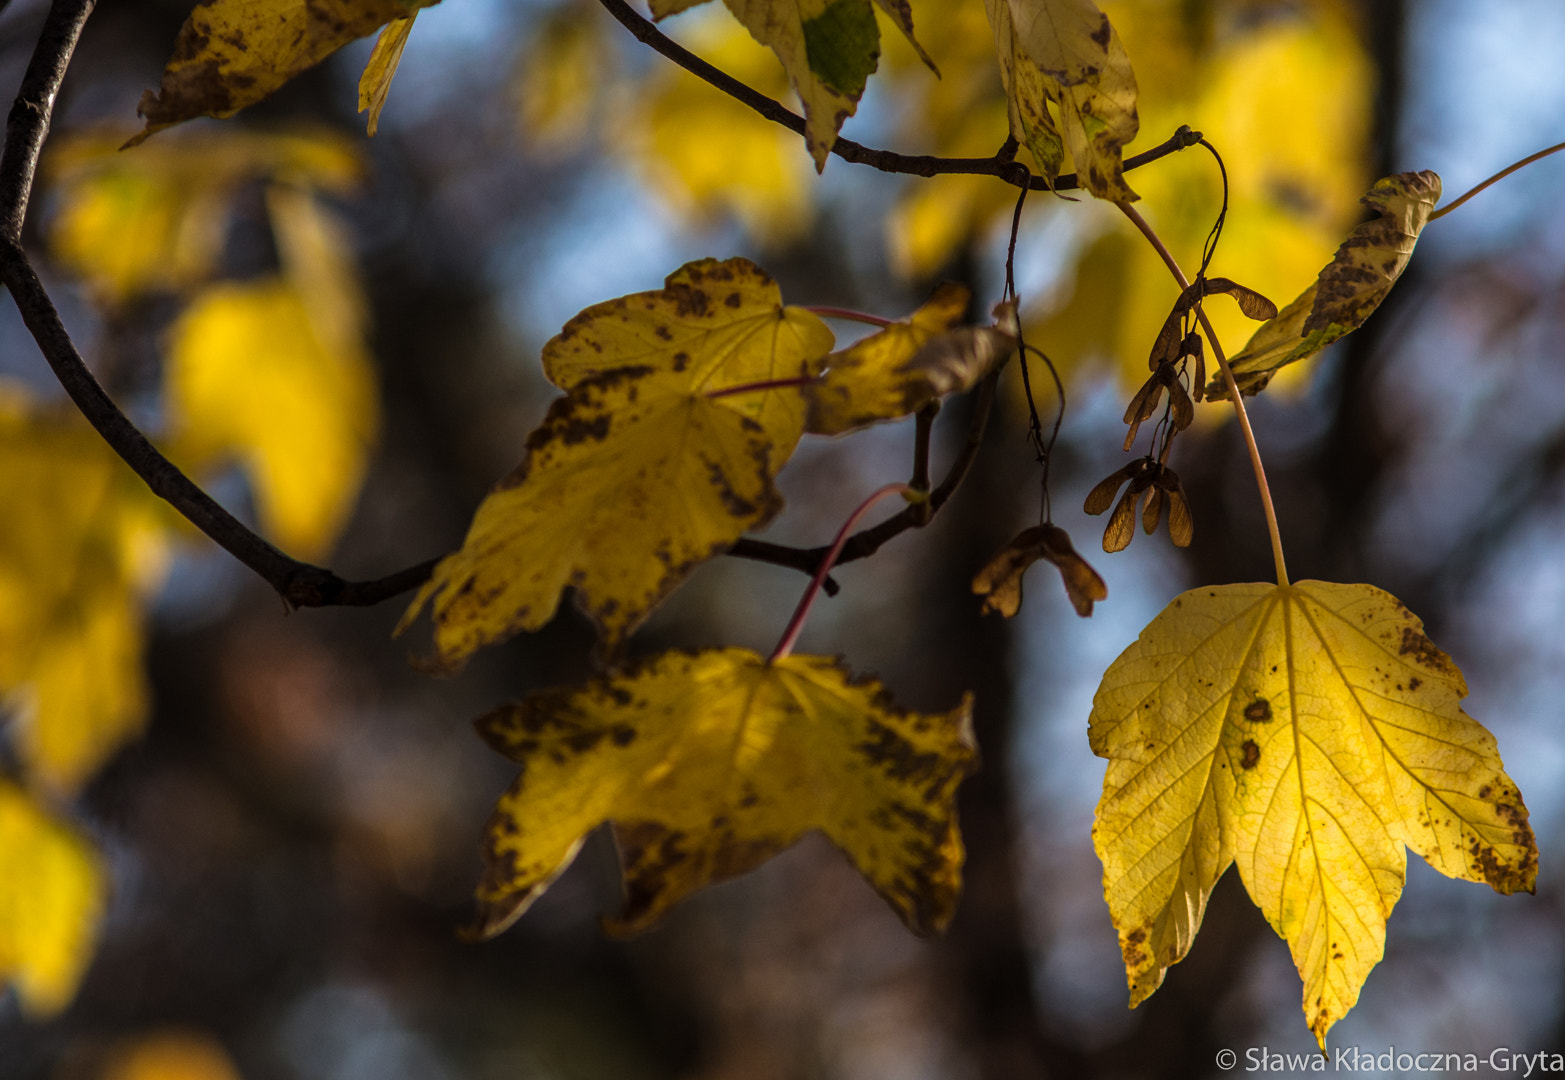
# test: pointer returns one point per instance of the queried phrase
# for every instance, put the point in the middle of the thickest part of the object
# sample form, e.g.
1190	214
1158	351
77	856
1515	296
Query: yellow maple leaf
895	371
83	547
640	473
708	764
52	890
381	68
1309	733
1350	287
234	53
255	372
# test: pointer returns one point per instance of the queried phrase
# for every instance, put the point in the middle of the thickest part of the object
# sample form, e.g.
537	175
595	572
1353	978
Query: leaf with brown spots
1077	55
1348	290
895	372
234	53
640	473
1309	733
708	764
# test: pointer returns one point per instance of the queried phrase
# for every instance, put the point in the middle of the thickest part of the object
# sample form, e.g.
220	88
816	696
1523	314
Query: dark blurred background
294	841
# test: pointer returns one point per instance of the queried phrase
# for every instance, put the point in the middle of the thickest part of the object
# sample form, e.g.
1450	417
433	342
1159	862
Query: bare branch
299	583
1001	165
28	124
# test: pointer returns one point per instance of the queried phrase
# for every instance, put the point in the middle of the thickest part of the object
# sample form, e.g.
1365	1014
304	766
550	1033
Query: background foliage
291	841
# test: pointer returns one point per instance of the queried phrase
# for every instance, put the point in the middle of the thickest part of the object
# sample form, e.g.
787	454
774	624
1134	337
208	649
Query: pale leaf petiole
1233	391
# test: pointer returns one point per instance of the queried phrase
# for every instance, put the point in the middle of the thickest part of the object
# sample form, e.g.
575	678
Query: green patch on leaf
842	44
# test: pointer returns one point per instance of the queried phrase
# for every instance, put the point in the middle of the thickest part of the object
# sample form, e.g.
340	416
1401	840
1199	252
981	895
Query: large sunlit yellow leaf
828	47
156	220
51	897
896	371
375	83
1308	733
1351	286
82	546
234	53
639	474
1086	71
256	374
710	763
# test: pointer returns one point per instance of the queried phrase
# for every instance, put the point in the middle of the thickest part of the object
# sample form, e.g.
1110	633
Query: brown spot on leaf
1258	711
1423	651
1252	754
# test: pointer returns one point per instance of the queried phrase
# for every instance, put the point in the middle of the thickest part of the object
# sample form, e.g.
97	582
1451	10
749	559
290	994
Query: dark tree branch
1002	165
300	584
28	124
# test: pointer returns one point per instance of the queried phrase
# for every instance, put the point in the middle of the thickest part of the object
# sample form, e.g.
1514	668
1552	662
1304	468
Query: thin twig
919	483
1233	392
790	634
299	583
28	123
864	544
1496	178
847	149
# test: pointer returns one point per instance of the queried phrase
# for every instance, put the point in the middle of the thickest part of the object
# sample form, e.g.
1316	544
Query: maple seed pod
1152	510
1000	581
1194	348
1101	497
1181	526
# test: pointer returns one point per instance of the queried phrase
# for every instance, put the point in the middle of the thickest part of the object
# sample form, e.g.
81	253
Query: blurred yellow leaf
639	474
155	220
82	546
254	374
710	763
52	893
234	53
1349	289
561	76
705	152
1308	733
375	83
169	1055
